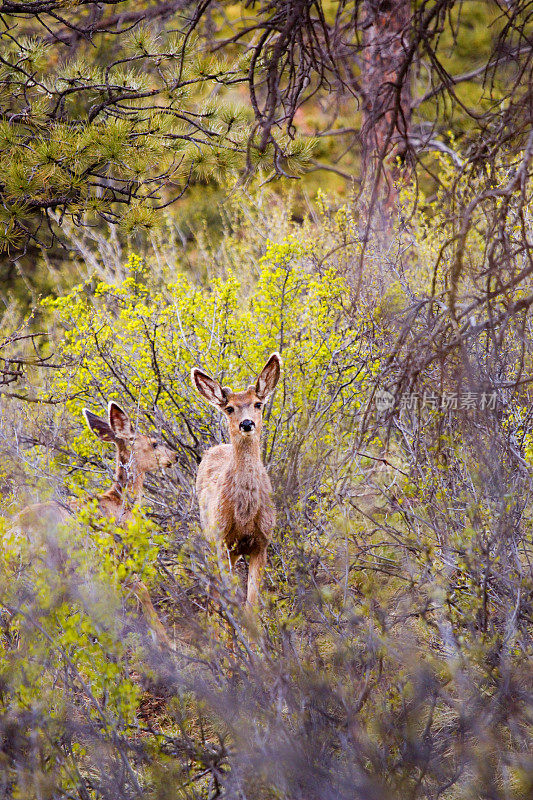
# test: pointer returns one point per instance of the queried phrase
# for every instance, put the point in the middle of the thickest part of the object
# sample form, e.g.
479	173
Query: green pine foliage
88	137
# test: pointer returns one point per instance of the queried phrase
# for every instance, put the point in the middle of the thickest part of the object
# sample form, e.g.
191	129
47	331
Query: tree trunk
386	95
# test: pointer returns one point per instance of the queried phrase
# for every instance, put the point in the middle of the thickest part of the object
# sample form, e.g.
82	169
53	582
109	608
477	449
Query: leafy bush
390	656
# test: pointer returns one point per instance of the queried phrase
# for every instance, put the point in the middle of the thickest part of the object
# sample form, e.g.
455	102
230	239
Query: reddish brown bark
386	93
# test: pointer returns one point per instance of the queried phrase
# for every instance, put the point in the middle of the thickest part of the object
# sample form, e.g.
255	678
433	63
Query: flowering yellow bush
395	619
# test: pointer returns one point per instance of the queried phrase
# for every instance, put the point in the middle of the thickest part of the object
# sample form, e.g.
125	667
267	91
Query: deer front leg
142	594
256	566
226	561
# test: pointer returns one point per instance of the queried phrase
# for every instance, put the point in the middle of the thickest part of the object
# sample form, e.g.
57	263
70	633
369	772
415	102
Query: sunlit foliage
390	654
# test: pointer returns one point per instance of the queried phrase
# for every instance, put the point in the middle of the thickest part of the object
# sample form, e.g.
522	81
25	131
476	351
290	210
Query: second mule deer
234	490
136	455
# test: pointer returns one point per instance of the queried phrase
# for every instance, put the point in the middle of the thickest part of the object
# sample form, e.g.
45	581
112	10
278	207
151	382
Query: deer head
135	450
243	410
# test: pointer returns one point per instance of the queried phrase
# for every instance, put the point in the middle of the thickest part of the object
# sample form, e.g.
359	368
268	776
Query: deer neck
128	483
246	455
246	479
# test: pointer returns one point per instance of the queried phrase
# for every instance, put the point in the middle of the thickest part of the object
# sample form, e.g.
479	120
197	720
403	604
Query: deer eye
230	409
154	444
258	405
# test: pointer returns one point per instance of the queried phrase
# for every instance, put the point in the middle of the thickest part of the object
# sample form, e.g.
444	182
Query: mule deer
233	488
136	454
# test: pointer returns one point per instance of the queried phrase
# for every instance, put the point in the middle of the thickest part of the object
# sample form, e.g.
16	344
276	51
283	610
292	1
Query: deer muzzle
247	425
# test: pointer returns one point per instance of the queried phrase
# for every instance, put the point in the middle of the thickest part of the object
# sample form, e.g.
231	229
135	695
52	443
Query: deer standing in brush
233	488
136	455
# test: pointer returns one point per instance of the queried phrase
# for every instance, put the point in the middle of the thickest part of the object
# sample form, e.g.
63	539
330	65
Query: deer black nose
247	425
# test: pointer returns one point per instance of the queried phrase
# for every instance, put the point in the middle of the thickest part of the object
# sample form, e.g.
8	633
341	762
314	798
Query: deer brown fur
234	490
136	455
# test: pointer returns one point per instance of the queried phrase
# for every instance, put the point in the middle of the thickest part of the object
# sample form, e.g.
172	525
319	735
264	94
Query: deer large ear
99	426
119	421
209	388
269	377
